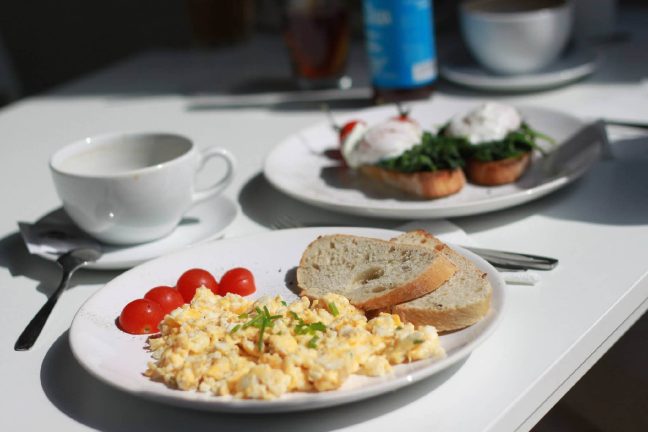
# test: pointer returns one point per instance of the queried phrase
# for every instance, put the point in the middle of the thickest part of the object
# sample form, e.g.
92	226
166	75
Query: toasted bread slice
460	302
497	172
425	184
371	273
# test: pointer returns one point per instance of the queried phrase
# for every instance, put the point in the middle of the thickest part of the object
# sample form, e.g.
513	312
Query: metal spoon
69	262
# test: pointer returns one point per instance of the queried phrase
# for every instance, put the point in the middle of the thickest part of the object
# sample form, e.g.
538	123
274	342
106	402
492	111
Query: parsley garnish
418	341
236	327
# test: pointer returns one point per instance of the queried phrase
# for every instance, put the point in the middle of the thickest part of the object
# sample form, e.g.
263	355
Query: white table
550	334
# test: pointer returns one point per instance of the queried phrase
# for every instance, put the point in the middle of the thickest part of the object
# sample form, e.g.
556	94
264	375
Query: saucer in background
207	220
576	63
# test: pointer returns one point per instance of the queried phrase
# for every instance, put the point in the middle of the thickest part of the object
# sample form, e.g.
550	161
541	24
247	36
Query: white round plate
301	167
205	221
573	65
119	359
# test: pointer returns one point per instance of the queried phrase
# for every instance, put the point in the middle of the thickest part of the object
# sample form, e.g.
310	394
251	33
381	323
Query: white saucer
460	68
205	221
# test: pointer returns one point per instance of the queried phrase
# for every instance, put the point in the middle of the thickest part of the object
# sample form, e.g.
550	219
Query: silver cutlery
69	262
502	260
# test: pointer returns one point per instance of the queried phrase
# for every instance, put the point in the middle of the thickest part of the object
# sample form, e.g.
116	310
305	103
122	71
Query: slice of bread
371	273
497	172
460	302
425	184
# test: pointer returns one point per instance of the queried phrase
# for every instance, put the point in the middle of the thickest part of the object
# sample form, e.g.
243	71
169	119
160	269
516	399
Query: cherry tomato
141	316
193	279
347	128
168	298
237	281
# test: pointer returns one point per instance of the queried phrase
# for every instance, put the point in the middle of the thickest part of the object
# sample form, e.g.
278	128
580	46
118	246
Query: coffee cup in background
516	36
129	188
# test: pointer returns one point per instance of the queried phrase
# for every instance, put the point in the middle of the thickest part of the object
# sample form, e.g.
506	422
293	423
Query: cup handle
216	188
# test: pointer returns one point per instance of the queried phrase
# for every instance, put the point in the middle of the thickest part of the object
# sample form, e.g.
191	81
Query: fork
502	260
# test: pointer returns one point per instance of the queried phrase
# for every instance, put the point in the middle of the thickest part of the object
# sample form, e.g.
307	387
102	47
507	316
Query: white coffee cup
516	36
128	188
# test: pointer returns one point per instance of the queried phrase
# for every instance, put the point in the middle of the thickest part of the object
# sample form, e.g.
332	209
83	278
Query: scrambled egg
260	350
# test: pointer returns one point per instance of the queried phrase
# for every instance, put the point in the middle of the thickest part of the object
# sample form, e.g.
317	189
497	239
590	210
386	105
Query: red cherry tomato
141	316
168	298
347	128
237	281
193	279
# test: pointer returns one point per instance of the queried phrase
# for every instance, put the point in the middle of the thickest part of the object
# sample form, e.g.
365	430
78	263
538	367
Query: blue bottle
400	44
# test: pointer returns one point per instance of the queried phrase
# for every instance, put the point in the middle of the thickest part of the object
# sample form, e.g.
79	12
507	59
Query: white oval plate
120	359
299	166
205	221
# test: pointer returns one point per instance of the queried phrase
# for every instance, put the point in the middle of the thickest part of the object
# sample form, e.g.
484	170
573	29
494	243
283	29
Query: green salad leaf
436	152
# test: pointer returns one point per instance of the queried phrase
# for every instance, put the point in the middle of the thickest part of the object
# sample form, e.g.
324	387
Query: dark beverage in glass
317	35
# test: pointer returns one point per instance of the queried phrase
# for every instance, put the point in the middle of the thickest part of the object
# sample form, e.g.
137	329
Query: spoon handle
33	329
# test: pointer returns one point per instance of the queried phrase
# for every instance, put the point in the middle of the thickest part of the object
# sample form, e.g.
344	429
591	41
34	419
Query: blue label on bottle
400	42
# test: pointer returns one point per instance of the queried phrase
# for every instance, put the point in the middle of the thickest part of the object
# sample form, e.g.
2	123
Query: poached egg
368	145
491	121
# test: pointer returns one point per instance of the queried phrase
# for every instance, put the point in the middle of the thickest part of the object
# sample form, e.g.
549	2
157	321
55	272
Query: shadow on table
613	192
264	204
97	405
15	257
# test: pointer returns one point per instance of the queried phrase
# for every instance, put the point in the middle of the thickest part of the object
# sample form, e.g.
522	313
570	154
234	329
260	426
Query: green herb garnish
310	329
334	310
418	341
302	328
313	342
236	327
261	320
284	303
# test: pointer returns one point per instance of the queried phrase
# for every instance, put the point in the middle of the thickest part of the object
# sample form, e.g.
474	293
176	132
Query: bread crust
439	272
432	278
499	172
426	184
444	319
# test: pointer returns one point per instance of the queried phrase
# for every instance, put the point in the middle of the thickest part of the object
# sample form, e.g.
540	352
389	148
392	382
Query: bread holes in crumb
368	275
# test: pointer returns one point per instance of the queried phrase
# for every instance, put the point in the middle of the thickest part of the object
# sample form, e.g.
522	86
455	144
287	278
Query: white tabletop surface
550	335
